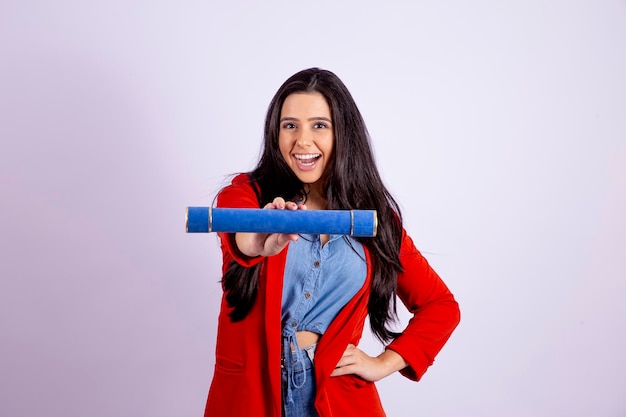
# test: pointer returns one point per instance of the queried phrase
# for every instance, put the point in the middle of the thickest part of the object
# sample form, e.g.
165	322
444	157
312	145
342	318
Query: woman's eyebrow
288	118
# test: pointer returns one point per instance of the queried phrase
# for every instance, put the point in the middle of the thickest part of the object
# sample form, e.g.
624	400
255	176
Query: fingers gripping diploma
355	361
263	244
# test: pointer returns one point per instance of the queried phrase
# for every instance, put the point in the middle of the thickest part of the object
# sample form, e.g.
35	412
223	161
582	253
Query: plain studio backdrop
499	126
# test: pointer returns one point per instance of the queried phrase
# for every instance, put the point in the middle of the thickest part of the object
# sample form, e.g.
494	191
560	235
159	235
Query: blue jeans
298	385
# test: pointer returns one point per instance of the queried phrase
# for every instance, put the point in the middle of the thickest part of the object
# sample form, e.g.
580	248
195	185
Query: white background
499	126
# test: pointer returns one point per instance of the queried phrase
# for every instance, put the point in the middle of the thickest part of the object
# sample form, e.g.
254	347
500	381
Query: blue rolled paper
358	223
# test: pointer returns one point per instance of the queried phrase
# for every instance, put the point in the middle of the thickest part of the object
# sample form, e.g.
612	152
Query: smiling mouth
307	159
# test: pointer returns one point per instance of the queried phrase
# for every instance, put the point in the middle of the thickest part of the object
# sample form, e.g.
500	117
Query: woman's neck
315	200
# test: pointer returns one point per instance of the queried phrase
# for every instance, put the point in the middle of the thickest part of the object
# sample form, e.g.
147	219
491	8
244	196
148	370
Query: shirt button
307	295
294	324
316	263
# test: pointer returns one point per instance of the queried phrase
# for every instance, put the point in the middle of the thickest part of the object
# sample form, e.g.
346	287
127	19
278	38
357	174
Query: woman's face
306	135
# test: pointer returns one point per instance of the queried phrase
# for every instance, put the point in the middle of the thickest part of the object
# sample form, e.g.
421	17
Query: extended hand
262	244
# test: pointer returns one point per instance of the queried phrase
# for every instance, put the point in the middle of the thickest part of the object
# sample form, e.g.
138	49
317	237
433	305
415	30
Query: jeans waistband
307	353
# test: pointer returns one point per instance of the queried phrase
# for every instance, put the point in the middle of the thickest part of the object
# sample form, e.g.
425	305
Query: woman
294	305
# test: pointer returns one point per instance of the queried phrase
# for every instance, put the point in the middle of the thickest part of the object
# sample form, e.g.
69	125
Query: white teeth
302	156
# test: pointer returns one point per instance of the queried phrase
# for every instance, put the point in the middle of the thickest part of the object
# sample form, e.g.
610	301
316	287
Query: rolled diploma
358	223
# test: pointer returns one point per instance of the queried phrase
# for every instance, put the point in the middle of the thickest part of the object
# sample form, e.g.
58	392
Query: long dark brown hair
351	181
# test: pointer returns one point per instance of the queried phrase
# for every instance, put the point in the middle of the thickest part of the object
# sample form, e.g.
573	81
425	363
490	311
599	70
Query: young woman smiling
294	306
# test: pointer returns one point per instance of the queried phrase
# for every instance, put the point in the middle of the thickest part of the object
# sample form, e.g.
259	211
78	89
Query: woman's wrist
245	245
390	362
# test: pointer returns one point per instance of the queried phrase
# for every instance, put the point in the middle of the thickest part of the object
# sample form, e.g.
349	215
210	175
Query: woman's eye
289	126
319	125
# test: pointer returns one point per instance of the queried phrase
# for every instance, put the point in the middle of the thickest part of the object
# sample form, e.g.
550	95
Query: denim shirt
319	281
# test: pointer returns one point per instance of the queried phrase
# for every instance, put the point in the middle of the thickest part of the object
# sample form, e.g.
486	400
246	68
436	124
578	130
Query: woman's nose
304	139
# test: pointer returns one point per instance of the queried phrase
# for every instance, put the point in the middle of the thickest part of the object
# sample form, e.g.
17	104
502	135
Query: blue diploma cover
358	223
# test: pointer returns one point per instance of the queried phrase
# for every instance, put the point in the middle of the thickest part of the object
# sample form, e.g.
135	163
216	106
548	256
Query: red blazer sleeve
239	194
435	311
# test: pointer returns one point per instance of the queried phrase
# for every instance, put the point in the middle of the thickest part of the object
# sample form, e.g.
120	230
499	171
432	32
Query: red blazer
247	378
